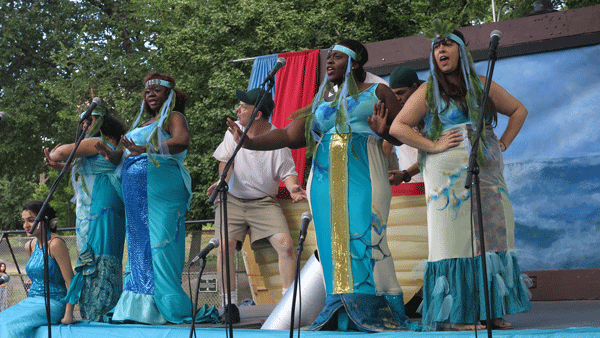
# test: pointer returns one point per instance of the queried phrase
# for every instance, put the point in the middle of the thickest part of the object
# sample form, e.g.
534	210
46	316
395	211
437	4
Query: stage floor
546	319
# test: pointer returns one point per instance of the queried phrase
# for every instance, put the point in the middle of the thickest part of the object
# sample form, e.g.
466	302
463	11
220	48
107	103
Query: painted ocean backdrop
557	212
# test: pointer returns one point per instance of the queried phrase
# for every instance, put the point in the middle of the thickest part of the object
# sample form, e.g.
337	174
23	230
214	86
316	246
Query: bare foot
68	320
460	327
501	324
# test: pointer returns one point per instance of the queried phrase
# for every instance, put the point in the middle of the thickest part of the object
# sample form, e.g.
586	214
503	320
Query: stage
575	319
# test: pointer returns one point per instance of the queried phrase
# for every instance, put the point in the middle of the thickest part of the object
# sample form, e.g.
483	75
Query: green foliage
200	37
439	28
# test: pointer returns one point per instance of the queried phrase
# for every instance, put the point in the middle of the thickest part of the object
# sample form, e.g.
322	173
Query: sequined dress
21	319
98	280
156	200
448	281
350	195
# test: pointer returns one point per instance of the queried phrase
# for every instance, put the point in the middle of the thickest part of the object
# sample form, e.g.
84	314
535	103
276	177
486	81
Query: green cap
403	76
251	96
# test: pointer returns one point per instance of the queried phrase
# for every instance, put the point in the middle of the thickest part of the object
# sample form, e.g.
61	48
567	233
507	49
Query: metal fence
13	254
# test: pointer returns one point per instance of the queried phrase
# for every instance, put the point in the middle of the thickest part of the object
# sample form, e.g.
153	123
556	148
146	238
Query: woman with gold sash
349	192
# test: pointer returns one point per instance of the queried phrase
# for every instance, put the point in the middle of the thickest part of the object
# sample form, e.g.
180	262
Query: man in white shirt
253	185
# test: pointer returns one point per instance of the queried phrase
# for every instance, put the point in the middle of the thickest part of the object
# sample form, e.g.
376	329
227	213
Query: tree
200	37
57	56
32	31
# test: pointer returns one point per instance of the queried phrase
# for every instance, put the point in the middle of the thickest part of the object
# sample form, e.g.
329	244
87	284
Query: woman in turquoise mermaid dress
21	319
157	194
98	280
448	103
349	194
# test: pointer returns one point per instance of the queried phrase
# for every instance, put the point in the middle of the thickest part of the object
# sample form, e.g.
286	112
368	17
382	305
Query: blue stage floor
145	331
565	319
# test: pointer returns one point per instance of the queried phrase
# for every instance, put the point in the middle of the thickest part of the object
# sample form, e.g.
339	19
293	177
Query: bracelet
405	176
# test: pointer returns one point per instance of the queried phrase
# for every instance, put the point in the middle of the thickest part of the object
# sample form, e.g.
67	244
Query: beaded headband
450	36
159	82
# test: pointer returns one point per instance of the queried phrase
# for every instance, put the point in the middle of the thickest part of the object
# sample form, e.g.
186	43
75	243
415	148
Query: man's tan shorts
261	218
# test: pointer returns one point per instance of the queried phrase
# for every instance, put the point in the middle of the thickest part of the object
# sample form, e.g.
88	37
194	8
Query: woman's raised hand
234	129
451	139
133	148
49	162
378	122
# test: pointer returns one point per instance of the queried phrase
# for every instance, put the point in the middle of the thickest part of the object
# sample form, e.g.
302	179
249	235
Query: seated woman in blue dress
21	319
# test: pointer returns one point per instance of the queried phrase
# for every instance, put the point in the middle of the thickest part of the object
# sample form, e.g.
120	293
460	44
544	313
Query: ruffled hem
448	289
361	312
142	308
136	307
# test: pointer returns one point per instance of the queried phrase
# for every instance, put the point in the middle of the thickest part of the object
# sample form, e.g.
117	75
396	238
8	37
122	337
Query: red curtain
296	86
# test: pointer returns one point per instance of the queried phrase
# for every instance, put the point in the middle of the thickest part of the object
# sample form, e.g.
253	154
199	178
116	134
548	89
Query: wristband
406	176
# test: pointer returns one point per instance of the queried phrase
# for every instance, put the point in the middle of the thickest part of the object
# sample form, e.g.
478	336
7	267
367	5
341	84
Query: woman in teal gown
349	193
157	194
21	319
98	280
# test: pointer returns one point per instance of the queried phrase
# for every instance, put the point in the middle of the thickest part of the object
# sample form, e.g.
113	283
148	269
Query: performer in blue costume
349	193
21	319
157	194
98	281
449	104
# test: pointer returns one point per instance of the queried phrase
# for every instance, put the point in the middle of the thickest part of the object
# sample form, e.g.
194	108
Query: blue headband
159	82
346	51
95	112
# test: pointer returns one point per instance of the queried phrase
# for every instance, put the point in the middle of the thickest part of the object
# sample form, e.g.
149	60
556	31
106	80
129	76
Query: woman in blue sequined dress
349	193
157	194
21	319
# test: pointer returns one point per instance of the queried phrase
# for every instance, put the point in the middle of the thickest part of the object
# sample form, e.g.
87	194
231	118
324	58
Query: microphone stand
297	286
221	190
195	304
46	225
472	183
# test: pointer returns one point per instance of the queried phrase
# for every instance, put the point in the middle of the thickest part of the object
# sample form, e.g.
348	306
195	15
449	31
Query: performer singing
100	222
449	103
349	193
157	194
21	319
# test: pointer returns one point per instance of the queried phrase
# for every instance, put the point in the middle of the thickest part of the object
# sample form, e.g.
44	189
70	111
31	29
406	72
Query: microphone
495	37
4	279
306	218
95	103
213	243
280	63
3	116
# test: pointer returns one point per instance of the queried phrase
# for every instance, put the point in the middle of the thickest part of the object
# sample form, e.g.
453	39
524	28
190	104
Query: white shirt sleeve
225	149
286	166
